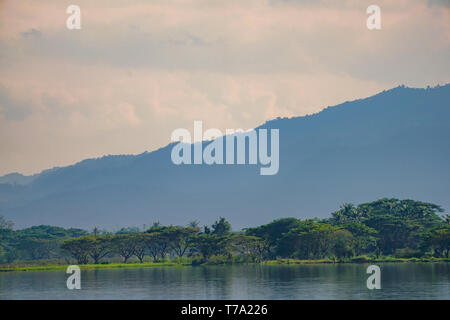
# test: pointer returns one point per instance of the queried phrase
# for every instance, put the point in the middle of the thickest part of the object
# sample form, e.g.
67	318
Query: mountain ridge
342	142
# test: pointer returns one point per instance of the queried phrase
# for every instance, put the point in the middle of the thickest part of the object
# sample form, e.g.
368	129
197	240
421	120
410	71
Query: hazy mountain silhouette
393	144
16	178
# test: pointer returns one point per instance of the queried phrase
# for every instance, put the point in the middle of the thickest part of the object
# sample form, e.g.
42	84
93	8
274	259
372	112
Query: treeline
386	227
35	243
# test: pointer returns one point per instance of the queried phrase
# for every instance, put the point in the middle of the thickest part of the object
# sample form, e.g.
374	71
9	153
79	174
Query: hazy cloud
13	108
139	69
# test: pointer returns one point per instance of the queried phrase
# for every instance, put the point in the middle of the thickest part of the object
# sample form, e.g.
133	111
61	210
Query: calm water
398	281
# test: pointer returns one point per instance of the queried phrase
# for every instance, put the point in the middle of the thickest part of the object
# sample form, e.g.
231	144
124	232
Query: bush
360	259
408	253
182	260
219	259
196	261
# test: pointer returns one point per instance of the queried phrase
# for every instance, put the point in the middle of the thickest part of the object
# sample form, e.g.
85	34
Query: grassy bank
93	266
355	260
186	263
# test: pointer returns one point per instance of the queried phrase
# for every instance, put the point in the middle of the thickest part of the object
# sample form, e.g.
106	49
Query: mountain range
392	144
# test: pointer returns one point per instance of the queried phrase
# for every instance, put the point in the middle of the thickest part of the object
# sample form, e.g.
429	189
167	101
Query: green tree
347	213
161	243
271	234
393	232
5	224
209	244
79	248
181	239
140	248
440	241
100	247
153	244
446	219
398	223
124	245
310	240
221	227
37	249
343	244
249	246
365	240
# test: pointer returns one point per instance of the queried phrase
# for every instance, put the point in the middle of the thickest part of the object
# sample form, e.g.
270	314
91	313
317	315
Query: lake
325	281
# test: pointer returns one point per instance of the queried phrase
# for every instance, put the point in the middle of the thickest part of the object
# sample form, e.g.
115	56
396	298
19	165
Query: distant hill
16	178
393	144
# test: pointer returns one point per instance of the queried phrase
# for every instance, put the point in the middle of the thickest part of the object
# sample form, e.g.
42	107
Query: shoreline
178	264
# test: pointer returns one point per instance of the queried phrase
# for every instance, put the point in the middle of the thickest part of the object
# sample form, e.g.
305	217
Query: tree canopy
385	227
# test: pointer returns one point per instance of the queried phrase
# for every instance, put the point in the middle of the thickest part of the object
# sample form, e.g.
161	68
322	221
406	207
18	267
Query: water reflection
341	281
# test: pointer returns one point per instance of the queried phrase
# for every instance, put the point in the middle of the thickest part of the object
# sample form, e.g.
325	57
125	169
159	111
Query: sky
137	70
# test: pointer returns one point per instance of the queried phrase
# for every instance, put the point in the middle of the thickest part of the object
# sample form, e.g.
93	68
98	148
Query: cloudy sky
137	70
